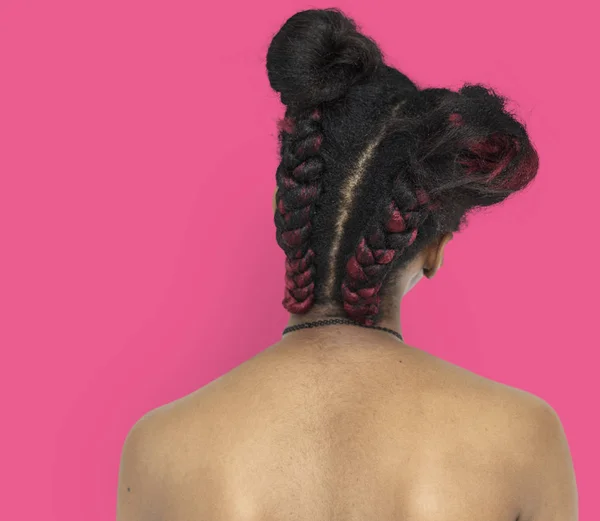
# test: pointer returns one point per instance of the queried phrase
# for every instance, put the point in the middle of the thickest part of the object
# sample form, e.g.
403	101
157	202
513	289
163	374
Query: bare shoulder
150	462
525	431
142	469
542	455
524	415
158	436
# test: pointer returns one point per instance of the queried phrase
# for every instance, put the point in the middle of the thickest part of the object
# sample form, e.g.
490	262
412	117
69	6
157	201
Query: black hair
374	168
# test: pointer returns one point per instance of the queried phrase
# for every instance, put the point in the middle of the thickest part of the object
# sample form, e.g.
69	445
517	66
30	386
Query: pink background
137	163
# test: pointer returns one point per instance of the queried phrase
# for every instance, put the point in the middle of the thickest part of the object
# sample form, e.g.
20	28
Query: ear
435	256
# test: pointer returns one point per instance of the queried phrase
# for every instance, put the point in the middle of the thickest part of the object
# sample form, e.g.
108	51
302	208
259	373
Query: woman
342	419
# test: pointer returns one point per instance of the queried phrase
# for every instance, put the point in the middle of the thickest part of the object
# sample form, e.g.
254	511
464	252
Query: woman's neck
389	318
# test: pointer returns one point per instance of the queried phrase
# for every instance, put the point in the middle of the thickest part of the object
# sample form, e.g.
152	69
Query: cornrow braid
298	181
387	237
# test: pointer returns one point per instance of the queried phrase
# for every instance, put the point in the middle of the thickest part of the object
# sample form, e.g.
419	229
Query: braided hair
299	174
374	168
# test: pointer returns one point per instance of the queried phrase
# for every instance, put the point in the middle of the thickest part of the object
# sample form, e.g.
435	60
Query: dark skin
342	422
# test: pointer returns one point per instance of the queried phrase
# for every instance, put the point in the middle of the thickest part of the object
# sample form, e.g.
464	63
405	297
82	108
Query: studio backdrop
138	148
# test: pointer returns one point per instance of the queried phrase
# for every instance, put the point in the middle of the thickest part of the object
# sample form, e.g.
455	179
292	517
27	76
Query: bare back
321	432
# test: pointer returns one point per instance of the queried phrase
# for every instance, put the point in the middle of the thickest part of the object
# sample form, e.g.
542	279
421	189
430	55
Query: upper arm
551	477
141	473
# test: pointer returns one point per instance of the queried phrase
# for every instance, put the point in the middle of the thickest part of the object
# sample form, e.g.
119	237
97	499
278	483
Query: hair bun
317	55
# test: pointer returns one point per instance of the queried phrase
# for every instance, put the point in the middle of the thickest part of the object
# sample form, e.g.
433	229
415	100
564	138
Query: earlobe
436	259
431	265
429	272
